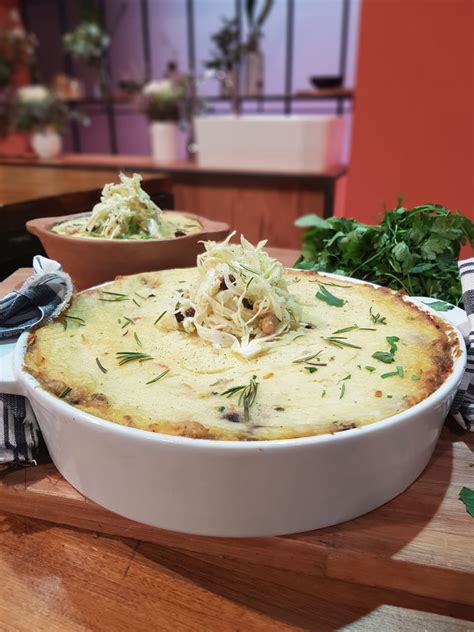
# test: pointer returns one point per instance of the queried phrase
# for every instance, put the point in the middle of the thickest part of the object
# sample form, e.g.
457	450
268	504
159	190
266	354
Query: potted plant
17	48
162	102
226	56
37	110
253	62
89	43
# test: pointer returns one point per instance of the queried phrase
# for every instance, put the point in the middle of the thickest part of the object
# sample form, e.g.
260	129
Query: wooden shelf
328	93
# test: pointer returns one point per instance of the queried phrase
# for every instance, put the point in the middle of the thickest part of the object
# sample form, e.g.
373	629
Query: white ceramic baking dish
236	489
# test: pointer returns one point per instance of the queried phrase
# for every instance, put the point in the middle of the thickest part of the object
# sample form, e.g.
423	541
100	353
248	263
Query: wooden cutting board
421	542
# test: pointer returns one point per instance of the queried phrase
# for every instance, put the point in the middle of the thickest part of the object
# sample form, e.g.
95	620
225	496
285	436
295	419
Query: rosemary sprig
159	317
144	298
308	358
64	392
139	343
79	321
128	321
334	284
101	366
346	329
130	356
114	297
247	395
136	302
158	377
114	293
340	342
377	319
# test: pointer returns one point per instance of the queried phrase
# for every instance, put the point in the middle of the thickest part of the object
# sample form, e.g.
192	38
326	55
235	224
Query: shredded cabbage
239	300
126	210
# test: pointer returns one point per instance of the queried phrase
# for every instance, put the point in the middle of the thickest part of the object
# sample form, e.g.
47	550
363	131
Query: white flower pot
164	141
46	144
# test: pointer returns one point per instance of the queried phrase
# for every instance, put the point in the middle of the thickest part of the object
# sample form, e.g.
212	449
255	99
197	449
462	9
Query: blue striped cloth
42	297
463	406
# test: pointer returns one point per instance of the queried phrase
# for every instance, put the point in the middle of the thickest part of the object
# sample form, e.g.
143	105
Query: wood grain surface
406	566
25	184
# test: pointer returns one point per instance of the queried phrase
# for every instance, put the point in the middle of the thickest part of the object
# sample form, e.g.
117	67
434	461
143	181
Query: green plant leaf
467	497
325	295
440	306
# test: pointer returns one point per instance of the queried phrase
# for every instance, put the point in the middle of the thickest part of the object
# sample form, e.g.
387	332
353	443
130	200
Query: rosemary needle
159	317
158	377
130	356
100	365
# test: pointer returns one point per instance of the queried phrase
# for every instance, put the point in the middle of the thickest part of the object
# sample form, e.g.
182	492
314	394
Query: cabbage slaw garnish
126	210
239	300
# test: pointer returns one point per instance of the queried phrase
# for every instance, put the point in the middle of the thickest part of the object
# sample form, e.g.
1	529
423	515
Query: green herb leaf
308	358
325	295
79	321
348	377
311	369
371	368
345	330
411	250
415	378
440	306
159	317
100	365
137	339
247	395
383	356
113	297
323	394
400	372
158	377
128	321
64	392
343	390
467	497
130	356
340	342
377	319
391	341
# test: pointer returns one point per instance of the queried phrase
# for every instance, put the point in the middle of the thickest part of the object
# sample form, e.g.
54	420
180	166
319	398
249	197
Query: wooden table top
146	163
25	183
57	578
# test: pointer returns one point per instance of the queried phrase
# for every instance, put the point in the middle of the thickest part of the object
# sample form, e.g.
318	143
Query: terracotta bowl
91	261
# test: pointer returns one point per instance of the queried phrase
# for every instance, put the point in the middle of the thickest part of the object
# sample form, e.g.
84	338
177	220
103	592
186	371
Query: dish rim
44	224
233	444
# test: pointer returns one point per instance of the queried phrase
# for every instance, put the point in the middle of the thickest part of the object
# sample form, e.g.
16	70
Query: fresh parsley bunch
411	250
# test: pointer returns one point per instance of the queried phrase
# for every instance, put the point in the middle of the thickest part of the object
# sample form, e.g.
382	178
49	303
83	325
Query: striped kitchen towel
42	297
463	406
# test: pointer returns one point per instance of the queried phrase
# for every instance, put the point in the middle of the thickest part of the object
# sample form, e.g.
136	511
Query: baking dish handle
8	382
456	316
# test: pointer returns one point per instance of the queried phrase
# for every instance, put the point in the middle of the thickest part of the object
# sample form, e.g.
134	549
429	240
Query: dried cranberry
246	303
179	233
234	417
223	285
179	317
190	312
